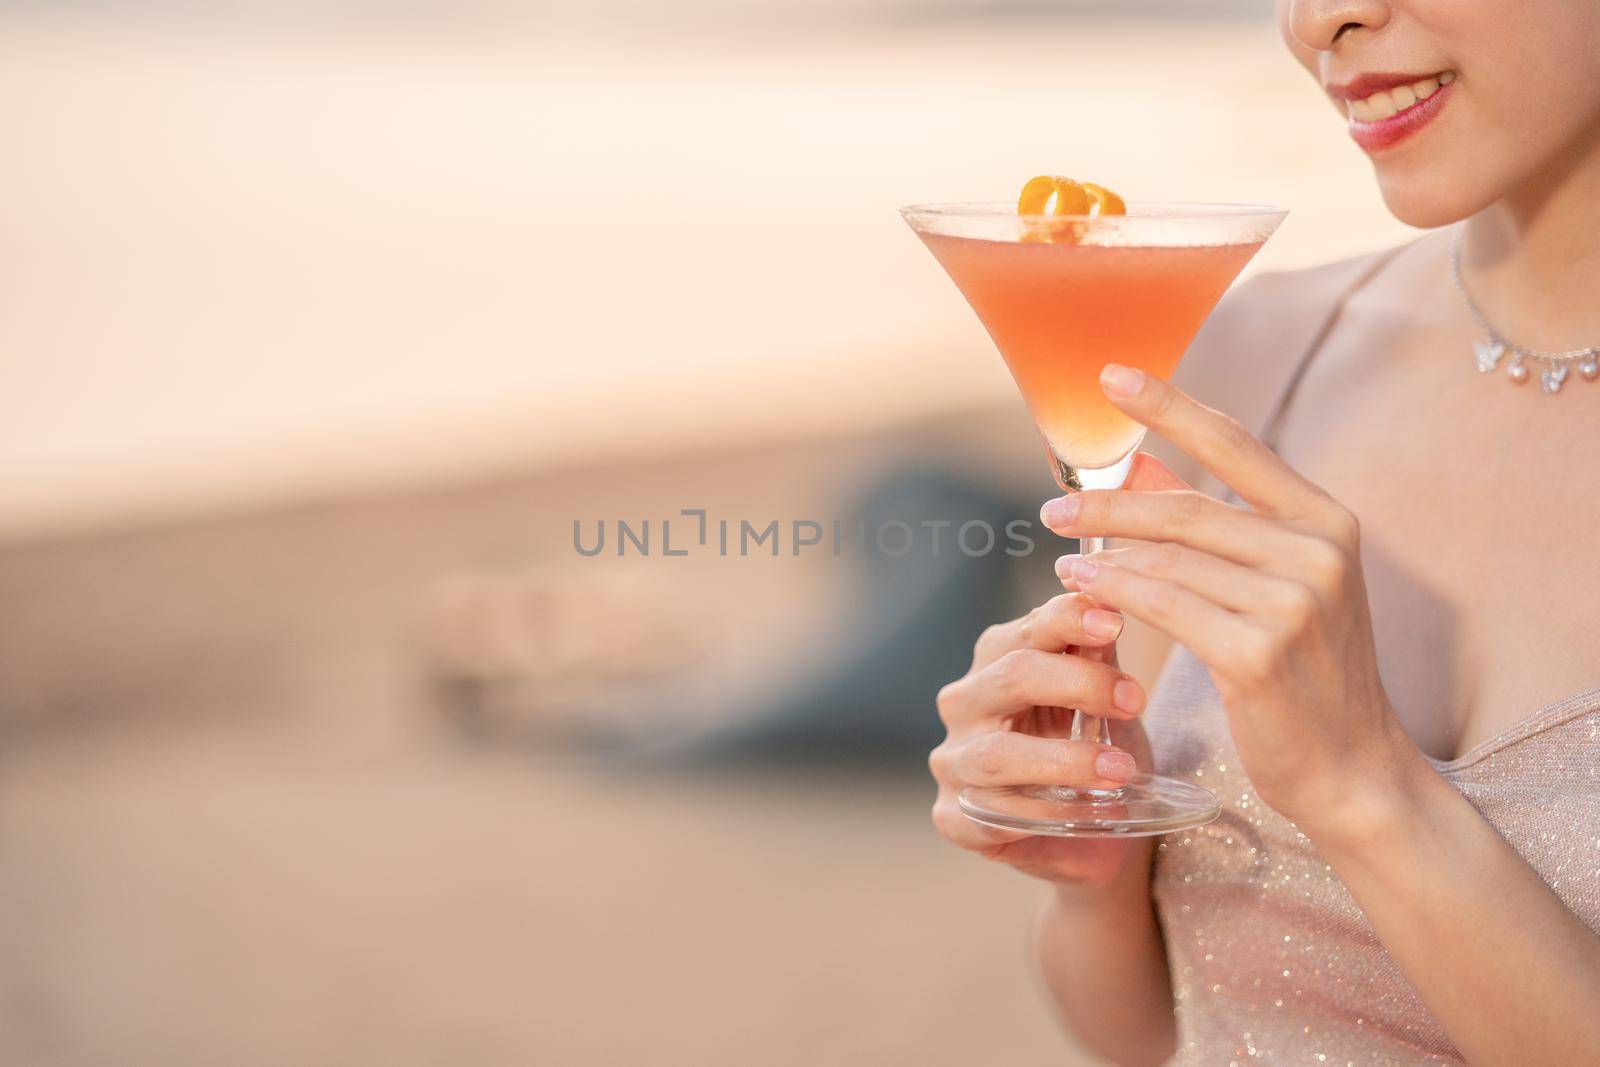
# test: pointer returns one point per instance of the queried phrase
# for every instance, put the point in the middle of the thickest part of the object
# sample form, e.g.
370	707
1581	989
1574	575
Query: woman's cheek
1530	88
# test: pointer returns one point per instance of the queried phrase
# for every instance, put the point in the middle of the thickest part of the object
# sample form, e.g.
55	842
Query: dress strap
1274	421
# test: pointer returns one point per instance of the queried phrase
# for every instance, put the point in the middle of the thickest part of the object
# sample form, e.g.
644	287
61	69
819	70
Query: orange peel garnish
1105	201
1070	198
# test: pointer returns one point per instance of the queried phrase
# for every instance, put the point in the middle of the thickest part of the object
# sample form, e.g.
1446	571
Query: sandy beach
239	825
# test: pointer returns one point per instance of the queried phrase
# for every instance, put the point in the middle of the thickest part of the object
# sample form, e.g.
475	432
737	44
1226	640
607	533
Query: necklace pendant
1488	353
1554	367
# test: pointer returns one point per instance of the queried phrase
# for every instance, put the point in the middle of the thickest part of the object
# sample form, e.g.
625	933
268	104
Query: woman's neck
1532	260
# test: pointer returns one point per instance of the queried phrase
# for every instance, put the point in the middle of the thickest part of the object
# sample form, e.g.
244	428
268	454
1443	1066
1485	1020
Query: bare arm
1509	972
1105	967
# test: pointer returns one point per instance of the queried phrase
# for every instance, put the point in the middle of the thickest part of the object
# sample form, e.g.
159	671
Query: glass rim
1152	223
1170	210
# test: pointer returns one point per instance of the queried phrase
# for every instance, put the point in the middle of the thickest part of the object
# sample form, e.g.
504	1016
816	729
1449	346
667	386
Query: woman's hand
1271	599
1096	939
1008	724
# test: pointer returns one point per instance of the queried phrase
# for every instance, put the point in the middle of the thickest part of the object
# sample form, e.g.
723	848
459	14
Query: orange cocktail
1059	311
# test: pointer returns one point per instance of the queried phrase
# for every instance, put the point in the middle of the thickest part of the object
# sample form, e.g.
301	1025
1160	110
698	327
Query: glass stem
1086	727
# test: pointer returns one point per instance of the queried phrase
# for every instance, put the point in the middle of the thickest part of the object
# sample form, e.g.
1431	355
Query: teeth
1388	102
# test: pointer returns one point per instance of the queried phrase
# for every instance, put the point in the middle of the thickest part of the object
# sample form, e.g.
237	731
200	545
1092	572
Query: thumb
1149	474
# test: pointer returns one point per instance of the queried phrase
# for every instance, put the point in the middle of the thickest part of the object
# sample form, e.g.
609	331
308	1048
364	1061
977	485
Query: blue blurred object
873	700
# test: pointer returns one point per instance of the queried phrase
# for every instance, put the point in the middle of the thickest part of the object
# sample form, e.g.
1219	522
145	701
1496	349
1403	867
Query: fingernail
1083	570
1064	565
1121	381
1060	511
1118	766
1102	624
1128	695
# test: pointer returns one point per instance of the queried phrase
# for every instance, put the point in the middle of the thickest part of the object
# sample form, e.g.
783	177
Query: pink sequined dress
1272	961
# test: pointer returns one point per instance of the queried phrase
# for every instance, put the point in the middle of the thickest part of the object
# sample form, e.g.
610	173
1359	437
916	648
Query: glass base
1146	806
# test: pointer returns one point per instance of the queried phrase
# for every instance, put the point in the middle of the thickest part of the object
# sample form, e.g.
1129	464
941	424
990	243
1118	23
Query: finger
1087	862
1219	443
1210	631
959	830
1026	678
1059	623
1224	583
1005	757
1183	516
1149	474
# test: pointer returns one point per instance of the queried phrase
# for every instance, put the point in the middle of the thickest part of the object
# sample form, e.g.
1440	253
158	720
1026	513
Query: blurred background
325	323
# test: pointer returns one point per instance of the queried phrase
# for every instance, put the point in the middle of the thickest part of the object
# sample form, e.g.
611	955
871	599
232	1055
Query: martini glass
1062	296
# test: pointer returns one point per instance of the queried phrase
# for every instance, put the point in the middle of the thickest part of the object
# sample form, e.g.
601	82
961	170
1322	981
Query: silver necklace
1494	347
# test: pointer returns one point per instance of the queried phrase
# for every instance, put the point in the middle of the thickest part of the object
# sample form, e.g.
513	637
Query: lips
1385	109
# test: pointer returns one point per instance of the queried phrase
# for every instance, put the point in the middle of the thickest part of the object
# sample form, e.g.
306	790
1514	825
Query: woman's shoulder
1245	354
1243	358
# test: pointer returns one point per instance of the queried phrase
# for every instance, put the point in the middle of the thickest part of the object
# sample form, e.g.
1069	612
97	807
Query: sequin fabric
1272	962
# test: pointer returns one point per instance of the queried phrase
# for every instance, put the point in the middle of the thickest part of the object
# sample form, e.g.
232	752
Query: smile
1382	115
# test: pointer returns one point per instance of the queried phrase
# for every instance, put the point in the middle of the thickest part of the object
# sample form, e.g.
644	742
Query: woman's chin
1428	202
